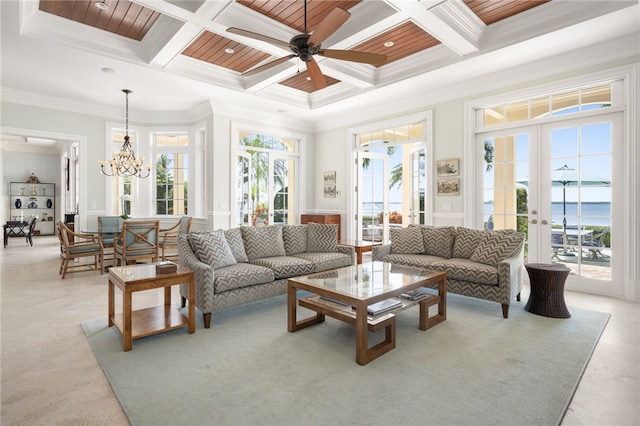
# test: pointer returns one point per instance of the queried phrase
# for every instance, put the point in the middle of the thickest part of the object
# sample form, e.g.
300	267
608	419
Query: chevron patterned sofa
245	264
483	264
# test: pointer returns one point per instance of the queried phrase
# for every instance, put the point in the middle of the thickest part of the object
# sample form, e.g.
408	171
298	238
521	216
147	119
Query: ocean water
593	213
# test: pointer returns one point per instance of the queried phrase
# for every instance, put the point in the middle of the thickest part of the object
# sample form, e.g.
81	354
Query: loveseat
483	264
244	264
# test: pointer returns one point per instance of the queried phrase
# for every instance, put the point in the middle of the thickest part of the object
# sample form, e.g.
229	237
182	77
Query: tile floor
49	374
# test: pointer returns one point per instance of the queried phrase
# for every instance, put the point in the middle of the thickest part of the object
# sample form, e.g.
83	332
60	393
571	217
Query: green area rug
475	368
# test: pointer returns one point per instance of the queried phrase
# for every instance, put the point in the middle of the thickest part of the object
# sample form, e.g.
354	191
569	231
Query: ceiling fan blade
355	56
257	36
317	78
328	26
268	65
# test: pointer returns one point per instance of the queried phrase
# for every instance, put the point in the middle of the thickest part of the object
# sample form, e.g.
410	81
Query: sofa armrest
378	252
348	251
510	272
204	275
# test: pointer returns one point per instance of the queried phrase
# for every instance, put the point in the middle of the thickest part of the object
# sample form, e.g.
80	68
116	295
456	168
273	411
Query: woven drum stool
547	289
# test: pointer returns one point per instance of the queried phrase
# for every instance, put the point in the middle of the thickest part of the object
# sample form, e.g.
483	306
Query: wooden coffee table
345	294
145	322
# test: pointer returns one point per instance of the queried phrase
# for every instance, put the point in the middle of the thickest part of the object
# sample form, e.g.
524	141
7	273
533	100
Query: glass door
579	209
418	213
507	182
372	196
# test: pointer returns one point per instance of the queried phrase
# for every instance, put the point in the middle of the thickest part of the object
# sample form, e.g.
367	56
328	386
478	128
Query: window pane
517	112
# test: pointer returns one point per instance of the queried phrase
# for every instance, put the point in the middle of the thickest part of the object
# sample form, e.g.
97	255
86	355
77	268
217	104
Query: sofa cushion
263	241
497	246
236	244
212	248
406	240
321	237
438	240
326	261
240	275
285	266
466	242
295	239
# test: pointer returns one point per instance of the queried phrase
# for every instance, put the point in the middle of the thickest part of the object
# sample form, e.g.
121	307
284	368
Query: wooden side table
360	247
547	289
145	322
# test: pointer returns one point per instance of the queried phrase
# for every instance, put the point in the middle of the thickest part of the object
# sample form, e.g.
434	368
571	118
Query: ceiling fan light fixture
101	5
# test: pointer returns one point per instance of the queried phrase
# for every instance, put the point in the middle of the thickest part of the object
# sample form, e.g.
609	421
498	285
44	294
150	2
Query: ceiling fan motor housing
301	48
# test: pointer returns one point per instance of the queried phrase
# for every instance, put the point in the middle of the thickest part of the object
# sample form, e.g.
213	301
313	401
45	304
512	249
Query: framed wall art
330	184
449	167
448	186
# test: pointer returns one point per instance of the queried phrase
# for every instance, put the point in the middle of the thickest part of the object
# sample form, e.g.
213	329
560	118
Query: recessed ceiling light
109	70
388	44
308	78
229	50
101	5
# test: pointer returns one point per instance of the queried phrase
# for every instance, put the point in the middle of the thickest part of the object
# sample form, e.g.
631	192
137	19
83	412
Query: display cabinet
38	199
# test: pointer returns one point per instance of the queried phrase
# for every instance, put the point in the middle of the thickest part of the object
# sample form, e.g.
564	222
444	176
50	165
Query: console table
322	218
14	228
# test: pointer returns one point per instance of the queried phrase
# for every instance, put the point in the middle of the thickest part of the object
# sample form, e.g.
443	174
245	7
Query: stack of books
384	306
417	294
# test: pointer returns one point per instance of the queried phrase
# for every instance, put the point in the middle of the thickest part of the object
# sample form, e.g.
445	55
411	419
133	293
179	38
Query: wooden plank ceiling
128	19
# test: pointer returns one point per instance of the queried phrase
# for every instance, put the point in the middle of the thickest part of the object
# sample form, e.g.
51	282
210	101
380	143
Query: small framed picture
449	167
448	186
330	185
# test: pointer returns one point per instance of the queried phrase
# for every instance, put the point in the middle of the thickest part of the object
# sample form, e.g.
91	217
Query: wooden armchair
31	228
83	245
138	240
169	238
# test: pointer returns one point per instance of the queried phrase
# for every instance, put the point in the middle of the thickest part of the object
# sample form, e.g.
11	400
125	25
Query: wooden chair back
138	240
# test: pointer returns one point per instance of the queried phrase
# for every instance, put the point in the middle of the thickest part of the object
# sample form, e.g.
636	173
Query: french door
372	222
579	202
265	188
556	184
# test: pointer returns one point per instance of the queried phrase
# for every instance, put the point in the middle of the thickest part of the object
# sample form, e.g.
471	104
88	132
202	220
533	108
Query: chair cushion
263	241
497	246
406	240
84	248
236	244
212	248
321	237
295	239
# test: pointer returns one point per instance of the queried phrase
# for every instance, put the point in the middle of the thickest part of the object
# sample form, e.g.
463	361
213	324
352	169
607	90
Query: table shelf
153	320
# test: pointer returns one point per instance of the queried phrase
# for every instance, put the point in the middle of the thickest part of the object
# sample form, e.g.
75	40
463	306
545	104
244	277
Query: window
568	102
172	173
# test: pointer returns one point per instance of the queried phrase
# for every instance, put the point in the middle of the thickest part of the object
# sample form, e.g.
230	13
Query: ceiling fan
305	46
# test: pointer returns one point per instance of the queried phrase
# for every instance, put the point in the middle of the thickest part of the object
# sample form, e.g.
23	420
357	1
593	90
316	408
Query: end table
547	289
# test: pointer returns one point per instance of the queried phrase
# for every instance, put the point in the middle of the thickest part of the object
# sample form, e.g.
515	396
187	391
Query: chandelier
124	162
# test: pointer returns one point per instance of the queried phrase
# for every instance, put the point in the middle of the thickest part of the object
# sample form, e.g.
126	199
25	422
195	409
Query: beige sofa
483	264
245	264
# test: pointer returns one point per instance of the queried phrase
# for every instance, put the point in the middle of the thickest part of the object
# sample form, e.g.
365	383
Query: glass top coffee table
349	293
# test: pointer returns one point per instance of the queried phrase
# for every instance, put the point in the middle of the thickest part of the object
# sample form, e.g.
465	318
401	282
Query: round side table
547	289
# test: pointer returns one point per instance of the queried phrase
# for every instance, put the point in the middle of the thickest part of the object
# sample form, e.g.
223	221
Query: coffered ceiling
177	54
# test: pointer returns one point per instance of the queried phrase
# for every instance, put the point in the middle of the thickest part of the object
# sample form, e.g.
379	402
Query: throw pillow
495	247
263	241
321	237
466	242
295	239
212	248
438	240
406	240
234	238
